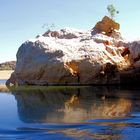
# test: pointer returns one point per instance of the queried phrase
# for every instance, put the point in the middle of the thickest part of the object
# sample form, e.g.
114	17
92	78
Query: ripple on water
119	129
83	113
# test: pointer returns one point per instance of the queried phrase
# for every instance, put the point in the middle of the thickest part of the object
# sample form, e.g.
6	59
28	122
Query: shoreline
5	74
3	88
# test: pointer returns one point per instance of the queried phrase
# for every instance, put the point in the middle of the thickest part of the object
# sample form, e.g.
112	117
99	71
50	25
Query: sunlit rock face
107	25
70	57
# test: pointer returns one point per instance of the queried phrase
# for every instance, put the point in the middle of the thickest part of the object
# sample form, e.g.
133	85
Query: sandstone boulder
107	25
76	57
73	57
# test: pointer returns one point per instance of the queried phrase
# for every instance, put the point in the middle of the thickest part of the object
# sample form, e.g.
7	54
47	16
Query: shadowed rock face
75	105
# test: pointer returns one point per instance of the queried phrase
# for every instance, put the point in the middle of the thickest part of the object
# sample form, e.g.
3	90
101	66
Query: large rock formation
70	56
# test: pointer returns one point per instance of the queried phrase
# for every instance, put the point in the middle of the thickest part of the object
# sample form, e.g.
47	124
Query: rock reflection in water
72	105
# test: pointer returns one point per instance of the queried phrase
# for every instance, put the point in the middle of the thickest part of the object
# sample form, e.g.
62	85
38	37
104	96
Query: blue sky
23	19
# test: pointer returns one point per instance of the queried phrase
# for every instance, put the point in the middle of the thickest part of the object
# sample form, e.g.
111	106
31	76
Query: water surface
97	113
2	81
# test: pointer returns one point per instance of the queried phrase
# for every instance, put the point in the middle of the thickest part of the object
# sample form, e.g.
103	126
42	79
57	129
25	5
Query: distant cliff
10	65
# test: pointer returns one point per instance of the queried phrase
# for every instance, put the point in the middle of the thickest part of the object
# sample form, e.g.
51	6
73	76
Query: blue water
2	81
85	113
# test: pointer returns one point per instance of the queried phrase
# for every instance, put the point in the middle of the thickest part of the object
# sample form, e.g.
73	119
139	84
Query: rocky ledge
75	57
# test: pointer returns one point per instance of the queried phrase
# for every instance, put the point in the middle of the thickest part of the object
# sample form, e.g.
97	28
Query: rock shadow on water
74	105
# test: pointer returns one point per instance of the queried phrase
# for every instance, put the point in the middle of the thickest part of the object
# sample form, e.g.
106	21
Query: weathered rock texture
70	56
107	25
